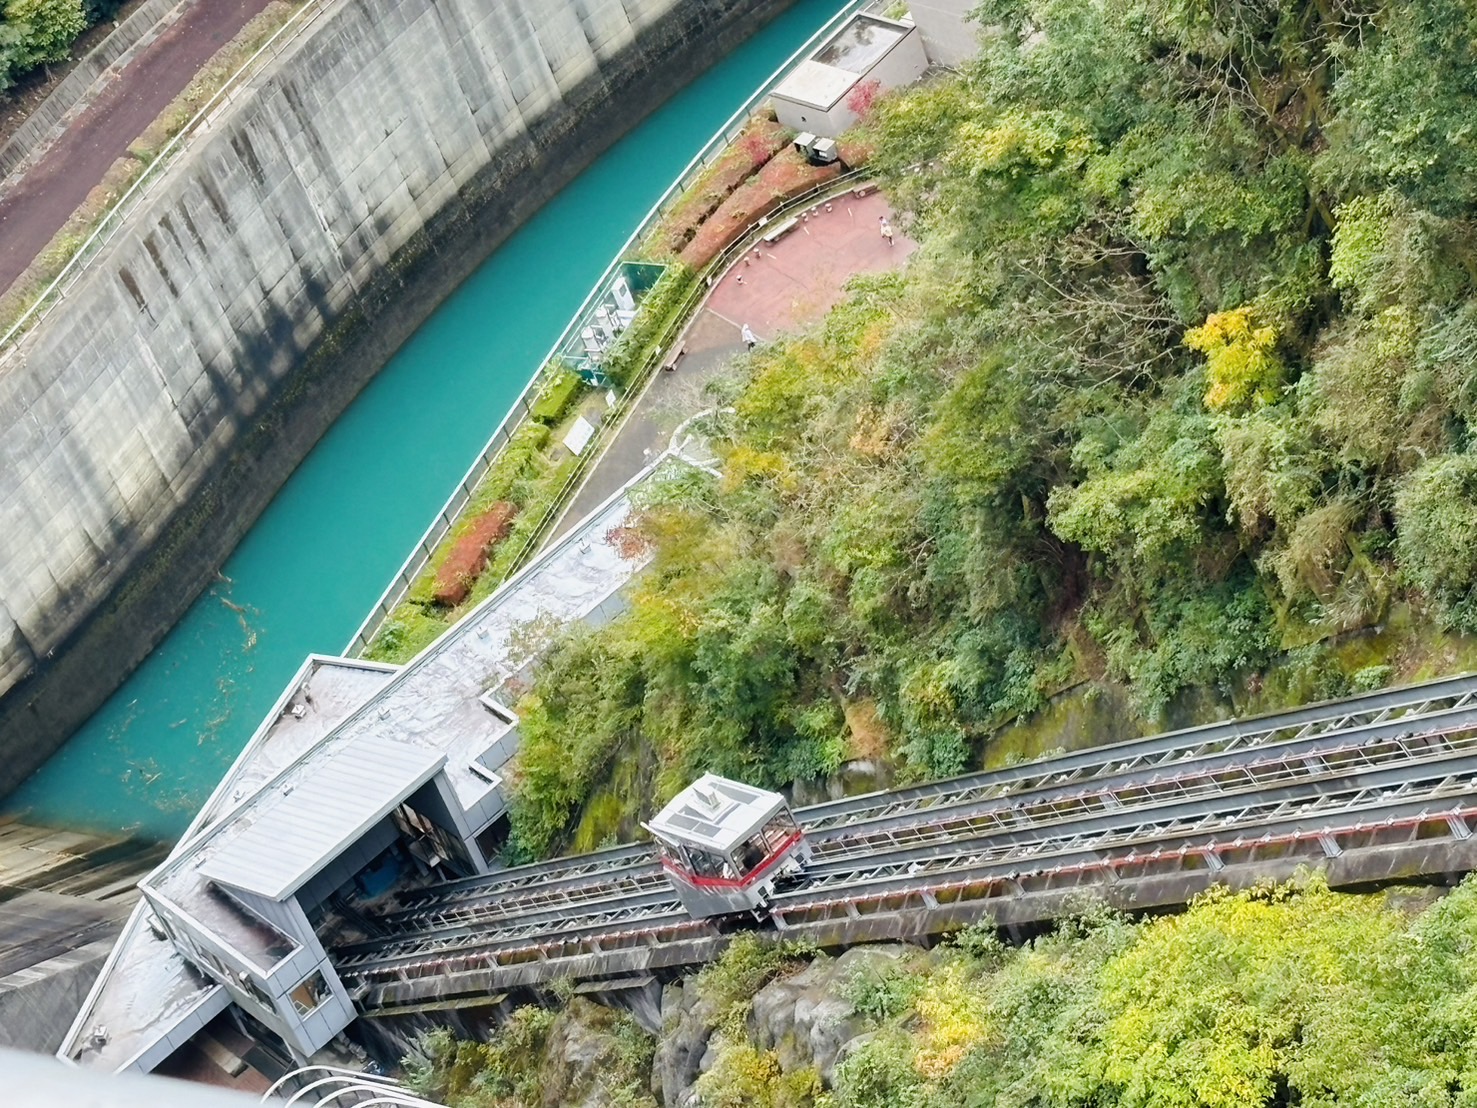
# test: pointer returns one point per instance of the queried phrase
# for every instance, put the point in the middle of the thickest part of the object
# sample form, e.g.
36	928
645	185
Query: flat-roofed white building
817	96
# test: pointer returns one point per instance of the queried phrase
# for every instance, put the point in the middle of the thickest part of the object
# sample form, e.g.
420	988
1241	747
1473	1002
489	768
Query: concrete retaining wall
38	1004
949	36
145	425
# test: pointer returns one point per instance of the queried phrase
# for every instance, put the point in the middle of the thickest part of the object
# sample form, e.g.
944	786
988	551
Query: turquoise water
306	574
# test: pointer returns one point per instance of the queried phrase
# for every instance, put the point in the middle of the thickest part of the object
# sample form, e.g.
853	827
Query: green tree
36	32
1436	517
1407	100
1270	998
1144	498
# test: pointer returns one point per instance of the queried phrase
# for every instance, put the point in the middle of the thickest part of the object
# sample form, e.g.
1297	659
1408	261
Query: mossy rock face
808	1017
688	1021
596	1056
1091	714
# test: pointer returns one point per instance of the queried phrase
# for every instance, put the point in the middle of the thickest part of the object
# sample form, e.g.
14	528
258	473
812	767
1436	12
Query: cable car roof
715	813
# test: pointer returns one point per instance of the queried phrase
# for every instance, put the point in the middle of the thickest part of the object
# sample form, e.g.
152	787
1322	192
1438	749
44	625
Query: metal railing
1335	767
117	214
1368	713
318	1086
420	555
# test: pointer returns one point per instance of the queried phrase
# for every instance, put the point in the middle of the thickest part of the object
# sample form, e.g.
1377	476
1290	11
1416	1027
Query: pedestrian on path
885	227
748	336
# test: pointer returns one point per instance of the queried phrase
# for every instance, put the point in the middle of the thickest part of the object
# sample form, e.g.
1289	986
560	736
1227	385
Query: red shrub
629	542
761	139
786	175
862	96
468	555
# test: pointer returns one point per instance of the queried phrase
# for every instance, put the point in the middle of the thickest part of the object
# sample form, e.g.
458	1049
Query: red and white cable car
724	843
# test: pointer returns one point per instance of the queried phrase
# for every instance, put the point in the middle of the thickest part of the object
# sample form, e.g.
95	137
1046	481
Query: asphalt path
39	204
776	288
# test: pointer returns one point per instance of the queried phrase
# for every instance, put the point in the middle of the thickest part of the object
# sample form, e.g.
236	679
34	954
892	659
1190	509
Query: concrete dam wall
146	424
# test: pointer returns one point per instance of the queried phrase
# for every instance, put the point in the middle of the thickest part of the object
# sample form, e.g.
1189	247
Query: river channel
317	559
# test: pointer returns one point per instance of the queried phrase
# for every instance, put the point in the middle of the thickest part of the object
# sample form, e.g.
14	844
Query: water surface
316	561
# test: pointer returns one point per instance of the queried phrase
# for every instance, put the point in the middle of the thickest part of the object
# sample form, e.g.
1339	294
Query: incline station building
358	766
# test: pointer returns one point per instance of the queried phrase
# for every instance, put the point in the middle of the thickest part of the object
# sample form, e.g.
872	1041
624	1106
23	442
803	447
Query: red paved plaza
796	280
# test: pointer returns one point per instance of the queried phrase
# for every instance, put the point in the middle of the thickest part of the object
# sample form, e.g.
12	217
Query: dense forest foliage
1273	998
38	32
1180	381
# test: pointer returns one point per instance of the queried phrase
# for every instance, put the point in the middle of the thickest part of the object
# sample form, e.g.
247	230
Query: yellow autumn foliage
1242	367
955	1019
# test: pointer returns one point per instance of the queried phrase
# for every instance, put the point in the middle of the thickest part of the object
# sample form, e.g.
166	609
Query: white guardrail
420	555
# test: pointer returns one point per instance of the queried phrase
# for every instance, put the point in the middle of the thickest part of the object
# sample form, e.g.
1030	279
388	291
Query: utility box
822	94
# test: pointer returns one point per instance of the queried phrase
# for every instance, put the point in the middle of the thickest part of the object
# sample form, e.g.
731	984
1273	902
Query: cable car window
777	830
752	853
709	865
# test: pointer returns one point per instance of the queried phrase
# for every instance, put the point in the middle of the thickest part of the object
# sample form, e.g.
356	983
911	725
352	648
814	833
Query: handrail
340	1082
117	213
460	496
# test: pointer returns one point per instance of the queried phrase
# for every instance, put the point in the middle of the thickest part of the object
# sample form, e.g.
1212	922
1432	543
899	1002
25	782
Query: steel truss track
1312	783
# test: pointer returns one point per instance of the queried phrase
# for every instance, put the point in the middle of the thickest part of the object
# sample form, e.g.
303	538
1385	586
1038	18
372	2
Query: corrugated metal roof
324	813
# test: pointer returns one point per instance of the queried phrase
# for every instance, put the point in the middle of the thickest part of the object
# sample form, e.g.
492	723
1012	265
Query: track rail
1144	755
1386	759
1317	784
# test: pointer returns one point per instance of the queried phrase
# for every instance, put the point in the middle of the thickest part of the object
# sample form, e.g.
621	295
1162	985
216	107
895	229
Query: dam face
150	418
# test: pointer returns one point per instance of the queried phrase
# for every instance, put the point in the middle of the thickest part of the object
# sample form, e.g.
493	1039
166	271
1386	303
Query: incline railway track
1310	785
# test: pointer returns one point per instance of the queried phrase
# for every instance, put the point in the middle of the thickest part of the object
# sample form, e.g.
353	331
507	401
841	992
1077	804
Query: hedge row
785	176
468	555
760	140
634	347
556	397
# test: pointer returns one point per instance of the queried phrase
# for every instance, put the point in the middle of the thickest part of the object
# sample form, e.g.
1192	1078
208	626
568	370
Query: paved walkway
37	206
797	280
790	284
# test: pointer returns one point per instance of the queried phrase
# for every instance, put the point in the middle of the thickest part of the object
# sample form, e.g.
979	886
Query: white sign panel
579	435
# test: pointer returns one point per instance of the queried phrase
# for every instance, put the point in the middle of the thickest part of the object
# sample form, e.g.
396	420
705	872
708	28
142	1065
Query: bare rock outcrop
806	1019
588	1059
688	1023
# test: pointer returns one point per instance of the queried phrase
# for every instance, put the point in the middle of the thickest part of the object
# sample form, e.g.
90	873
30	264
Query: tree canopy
1265	999
1181	379
36	32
